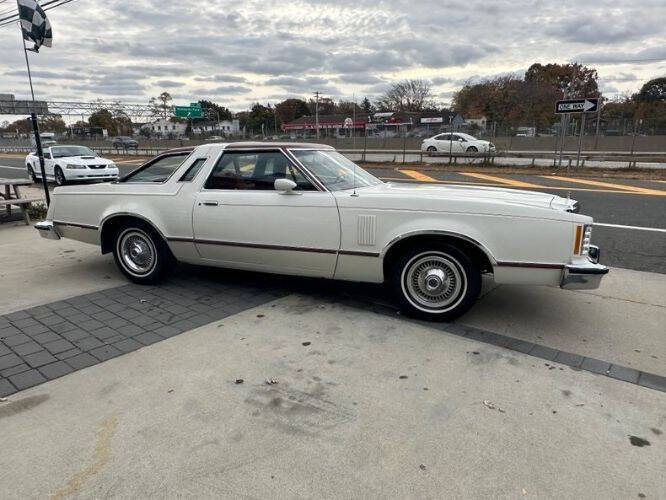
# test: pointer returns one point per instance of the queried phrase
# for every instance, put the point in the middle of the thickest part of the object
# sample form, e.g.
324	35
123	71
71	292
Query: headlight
112	165
73	166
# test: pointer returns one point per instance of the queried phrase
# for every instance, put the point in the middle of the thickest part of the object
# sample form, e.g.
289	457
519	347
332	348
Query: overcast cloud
265	50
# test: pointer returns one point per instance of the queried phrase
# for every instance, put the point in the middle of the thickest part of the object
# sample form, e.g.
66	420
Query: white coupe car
65	164
305	209
457	143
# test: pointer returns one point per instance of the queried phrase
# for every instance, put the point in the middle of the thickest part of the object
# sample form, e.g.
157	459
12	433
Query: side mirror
460	139
285	186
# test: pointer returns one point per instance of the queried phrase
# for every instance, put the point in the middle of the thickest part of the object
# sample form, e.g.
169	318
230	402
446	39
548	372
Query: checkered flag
34	23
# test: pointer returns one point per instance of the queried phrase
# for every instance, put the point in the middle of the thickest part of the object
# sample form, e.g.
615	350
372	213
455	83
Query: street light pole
35	128
317	113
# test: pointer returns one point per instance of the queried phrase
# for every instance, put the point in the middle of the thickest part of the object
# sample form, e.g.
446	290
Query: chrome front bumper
47	229
584	276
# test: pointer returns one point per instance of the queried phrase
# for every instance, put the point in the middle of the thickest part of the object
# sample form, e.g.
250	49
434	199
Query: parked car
65	164
456	142
124	142
305	209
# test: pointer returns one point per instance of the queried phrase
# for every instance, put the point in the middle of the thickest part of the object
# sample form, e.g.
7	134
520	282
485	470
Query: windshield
334	170
64	151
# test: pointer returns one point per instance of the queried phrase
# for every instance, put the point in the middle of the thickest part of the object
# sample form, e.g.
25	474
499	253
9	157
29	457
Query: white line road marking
15	168
637	228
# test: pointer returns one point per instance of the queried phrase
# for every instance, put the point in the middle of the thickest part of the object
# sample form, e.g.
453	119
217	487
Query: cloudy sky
239	52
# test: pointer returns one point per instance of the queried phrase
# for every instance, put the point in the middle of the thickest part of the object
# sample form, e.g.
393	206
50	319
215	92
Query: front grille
96	166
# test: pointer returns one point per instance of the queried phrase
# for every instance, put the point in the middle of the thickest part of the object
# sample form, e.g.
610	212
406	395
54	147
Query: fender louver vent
366	230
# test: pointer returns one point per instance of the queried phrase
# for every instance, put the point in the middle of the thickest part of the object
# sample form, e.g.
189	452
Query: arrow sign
587	105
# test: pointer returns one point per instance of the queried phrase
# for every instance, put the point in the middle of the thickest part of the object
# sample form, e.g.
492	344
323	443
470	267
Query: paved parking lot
219	383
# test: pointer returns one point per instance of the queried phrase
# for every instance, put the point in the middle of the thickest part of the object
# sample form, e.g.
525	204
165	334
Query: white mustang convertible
304	209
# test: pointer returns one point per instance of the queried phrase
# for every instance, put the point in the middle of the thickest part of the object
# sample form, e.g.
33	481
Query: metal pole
317	113
580	139
596	133
35	126
353	130
633	141
404	145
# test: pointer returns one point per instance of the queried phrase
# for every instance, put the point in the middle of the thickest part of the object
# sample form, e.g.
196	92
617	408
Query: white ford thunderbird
305	209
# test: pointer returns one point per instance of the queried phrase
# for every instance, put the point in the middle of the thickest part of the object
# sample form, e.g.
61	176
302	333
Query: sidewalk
372	406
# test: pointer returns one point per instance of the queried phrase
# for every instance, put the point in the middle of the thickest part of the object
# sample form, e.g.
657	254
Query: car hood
84	160
424	194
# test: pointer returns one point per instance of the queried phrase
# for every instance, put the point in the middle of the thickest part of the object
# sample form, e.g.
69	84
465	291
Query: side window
158	171
459	138
192	172
444	137
254	171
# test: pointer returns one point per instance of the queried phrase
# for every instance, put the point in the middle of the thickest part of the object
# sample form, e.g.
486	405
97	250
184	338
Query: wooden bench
22	203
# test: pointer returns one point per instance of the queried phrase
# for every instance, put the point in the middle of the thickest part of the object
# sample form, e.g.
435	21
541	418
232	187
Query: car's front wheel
437	284
60	178
141	254
431	149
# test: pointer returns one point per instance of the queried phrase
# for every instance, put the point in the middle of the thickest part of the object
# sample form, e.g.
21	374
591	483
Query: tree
348	108
161	105
367	106
22	126
52	123
122	123
104	119
212	111
572	80
291	109
326	106
651	91
407	95
260	115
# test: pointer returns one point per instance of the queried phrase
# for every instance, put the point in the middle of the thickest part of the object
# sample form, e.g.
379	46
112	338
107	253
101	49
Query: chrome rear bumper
47	229
585	276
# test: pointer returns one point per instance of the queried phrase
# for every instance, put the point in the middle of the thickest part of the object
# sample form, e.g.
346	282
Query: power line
46	6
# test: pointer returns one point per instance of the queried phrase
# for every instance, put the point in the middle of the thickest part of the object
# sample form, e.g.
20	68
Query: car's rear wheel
437	284
60	178
141	253
472	149
31	173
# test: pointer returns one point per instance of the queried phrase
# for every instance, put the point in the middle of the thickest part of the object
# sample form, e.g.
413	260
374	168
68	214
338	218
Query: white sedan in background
65	164
456	143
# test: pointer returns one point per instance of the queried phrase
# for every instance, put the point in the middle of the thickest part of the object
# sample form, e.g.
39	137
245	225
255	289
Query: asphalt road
638	205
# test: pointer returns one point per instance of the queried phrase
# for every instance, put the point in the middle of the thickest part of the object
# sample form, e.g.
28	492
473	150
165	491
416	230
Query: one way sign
577	106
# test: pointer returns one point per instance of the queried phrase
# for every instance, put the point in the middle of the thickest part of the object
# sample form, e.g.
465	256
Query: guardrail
415	155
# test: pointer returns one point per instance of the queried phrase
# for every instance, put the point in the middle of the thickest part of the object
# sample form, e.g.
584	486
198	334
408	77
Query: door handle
210	203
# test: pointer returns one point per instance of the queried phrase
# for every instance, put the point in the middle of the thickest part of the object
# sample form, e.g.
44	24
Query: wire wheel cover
434	281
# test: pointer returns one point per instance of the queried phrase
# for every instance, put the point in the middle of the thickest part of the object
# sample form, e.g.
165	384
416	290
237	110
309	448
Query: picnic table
12	185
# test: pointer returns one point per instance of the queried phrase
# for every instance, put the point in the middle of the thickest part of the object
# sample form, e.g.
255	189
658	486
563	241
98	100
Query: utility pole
353	122
317	113
275	119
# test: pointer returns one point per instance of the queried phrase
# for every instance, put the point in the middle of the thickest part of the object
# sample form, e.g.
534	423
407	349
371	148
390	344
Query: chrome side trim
531	265
75	224
263	246
481	247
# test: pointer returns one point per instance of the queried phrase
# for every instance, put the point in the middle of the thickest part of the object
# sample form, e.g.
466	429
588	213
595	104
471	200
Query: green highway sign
188	111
